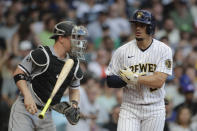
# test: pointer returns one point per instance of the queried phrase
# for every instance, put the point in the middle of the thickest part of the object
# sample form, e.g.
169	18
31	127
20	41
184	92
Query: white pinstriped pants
141	118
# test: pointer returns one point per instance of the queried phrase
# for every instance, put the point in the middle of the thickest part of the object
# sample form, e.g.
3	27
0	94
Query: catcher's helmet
63	28
78	37
143	16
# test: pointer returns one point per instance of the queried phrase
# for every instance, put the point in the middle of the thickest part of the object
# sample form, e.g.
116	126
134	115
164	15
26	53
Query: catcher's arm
74	97
28	99
70	110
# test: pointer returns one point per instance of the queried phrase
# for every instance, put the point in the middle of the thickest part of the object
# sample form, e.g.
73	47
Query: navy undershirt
115	81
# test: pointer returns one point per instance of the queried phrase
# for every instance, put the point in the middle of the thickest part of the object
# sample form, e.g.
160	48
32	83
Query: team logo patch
168	63
28	59
57	76
139	15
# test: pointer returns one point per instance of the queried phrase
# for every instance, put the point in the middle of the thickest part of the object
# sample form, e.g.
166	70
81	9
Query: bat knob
41	115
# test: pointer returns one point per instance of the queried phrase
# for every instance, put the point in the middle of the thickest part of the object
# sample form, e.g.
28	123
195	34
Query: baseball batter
141	66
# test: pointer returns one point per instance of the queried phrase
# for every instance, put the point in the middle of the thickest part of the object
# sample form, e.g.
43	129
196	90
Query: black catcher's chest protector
44	83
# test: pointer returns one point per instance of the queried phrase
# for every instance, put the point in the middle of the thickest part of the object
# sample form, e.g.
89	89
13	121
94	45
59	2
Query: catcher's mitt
72	114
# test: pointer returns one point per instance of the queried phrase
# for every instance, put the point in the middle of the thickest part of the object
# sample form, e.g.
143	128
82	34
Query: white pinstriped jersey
156	58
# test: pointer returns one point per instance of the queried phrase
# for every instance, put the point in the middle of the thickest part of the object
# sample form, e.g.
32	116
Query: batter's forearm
151	81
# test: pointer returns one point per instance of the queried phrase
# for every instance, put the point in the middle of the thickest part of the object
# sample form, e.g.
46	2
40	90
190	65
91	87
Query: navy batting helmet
143	16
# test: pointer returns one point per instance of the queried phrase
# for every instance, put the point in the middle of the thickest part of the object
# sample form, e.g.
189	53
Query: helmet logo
139	15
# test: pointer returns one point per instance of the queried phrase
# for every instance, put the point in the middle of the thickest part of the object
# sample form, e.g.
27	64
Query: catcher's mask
78	42
78	37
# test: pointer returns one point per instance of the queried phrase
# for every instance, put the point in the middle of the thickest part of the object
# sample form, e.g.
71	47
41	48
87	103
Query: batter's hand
128	76
30	105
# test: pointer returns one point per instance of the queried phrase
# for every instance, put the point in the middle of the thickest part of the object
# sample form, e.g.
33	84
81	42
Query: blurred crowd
26	24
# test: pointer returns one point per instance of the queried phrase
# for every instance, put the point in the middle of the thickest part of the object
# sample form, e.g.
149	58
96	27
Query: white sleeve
165	62
115	63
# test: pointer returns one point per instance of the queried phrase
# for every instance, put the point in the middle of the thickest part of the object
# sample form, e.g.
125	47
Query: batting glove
128	76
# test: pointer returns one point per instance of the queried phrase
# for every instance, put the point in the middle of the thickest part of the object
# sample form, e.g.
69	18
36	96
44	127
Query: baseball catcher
36	77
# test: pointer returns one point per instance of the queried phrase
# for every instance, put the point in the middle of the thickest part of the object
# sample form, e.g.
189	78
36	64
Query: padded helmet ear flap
149	30
152	26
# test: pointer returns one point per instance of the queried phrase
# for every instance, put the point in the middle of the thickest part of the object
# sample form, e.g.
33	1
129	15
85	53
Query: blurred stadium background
25	24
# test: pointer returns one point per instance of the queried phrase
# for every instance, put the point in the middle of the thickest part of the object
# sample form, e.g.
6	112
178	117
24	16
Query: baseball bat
62	76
